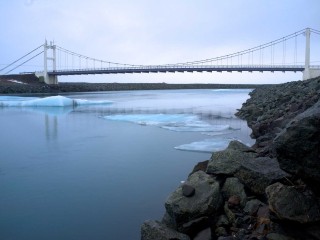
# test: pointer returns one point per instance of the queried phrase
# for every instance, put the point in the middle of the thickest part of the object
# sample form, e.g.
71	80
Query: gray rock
258	173
154	230
204	235
277	236
187	190
239	160
290	204
195	226
221	231
252	206
222	221
297	147
234	201
239	146
232	186
168	221
204	202
229	160
200	166
231	216
226	238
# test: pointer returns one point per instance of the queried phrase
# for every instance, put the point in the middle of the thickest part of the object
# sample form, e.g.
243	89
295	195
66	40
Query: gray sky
156	32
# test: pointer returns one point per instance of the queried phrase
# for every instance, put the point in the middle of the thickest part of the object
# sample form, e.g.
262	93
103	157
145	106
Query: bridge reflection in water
51	127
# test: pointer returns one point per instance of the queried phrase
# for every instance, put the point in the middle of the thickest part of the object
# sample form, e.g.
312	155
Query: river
96	165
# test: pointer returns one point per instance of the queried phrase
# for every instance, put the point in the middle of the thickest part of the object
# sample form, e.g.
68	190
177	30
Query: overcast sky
156	32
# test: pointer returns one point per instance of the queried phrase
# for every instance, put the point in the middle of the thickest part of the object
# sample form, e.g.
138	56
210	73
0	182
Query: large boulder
288	203
238	160
297	147
229	160
205	201
155	230
258	173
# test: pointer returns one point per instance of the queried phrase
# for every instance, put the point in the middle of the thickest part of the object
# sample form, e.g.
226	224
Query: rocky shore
267	191
29	83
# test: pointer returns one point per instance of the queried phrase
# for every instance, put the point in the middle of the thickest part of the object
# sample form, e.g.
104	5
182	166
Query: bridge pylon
49	79
309	72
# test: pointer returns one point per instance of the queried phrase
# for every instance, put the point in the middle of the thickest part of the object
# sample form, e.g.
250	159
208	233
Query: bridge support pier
48	79
309	72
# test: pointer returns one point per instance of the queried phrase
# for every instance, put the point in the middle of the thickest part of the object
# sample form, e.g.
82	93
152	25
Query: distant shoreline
29	83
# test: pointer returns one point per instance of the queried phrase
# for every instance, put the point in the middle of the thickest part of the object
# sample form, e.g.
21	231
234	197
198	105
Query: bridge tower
49	79
309	72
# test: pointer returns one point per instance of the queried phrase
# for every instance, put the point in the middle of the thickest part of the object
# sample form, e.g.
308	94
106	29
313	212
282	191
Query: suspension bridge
281	55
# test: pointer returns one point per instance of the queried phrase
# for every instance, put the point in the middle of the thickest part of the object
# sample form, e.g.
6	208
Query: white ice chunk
53	101
172	122
207	145
153	119
232	90
190	127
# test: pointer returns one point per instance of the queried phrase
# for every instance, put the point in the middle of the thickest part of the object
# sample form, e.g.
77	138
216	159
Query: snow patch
15	81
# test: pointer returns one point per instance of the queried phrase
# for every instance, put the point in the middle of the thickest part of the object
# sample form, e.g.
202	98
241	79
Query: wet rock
233	187
154	230
204	202
290	204
258	173
297	147
188	190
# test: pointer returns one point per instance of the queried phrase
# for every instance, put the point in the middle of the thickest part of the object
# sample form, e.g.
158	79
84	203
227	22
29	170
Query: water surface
99	164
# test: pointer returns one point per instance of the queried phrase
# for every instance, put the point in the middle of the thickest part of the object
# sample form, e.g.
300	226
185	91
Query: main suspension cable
24	62
21	58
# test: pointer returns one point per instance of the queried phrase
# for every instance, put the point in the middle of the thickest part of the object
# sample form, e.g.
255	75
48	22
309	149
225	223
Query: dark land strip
29	83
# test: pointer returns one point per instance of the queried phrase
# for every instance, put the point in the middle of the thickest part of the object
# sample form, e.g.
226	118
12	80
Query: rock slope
267	191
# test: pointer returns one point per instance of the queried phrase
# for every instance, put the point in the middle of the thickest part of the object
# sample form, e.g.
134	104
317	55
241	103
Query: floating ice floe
173	122
53	101
207	145
232	90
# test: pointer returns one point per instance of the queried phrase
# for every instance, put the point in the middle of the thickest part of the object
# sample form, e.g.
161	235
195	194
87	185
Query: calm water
97	170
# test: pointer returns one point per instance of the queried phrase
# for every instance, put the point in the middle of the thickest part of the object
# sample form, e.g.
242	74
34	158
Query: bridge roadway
179	68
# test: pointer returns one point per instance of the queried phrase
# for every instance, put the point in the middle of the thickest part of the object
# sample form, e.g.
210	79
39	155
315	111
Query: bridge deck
164	69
